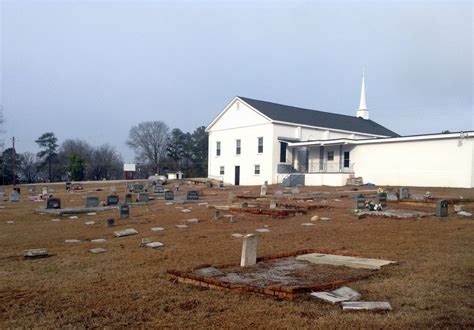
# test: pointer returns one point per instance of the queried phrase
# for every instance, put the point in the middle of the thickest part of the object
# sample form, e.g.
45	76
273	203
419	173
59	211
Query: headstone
263	190
359	202
14	196
244	205
35	253
458	208
97	250
382	199
295	191
217	214
98	240
2	192
221	184
110	222
126	232
169	195
392	197
249	250
315	218
138	187
209	184
72	241
230	197
143	197
464	214
44	191
154	245
53	203
404	193
365	305
92	201
112	200
208	272
32	190
192	195
273	204
442	208
128	198
158	189
68	185
124	211
18	190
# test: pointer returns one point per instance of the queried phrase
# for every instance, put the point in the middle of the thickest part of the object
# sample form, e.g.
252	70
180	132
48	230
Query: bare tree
28	167
106	163
149	140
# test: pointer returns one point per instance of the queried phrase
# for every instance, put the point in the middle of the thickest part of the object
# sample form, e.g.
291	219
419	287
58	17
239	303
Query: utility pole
13	163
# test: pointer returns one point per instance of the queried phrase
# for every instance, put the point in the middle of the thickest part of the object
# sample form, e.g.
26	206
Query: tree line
158	150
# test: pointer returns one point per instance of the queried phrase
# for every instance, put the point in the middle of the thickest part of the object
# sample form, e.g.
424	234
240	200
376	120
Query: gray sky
92	69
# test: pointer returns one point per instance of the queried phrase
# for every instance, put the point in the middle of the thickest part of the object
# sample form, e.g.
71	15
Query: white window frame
259	145
257	168
238	147
332	156
218	148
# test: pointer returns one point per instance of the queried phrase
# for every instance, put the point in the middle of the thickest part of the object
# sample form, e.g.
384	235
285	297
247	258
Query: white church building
254	141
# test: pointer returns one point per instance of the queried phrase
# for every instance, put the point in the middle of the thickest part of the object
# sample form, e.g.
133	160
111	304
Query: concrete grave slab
342	294
185	210
35	253
10	221
55	220
98	240
126	232
237	235
156	229
89	223
464	214
307	224
73	217
181	226
97	250
92	213
262	230
325	219
338	260
193	220
366	305
208	272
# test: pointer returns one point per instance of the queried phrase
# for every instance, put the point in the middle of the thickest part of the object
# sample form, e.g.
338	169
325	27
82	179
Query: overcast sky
92	69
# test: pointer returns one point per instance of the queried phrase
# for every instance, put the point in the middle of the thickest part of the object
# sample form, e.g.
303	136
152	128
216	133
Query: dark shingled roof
289	114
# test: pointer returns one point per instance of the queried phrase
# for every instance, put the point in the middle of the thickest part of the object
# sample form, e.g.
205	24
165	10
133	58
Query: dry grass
432	286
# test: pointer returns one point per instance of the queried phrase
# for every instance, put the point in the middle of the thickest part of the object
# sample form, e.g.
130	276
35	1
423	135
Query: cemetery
205	255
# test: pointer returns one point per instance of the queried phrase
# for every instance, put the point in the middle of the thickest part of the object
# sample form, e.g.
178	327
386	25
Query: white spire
363	112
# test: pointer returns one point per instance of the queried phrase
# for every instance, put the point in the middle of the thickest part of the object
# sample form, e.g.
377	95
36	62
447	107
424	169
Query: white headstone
249	250
263	190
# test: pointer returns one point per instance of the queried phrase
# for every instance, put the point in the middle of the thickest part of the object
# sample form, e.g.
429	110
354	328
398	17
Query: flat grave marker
192	195
97	250
35	253
126	232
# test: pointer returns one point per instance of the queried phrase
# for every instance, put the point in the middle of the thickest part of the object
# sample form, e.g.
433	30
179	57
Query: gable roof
289	114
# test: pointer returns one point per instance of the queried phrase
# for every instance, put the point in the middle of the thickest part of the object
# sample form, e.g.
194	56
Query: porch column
321	158
340	158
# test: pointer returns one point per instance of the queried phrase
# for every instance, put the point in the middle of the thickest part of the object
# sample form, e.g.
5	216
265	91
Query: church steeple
363	112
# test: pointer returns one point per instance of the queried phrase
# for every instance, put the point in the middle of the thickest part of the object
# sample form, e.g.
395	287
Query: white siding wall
433	163
244	124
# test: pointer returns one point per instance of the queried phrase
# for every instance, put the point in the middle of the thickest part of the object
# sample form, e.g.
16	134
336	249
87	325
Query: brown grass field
431	286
